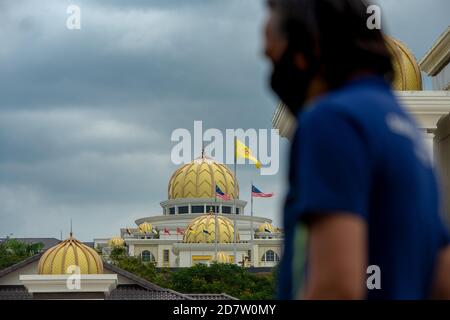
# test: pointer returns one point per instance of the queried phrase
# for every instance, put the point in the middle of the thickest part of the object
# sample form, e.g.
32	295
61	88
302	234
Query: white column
429	141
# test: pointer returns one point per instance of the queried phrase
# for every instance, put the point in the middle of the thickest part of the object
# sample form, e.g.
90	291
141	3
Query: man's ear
300	61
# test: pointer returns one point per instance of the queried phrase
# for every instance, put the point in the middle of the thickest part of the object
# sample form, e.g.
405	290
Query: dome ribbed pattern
407	76
197	180
70	252
267	227
145	227
202	230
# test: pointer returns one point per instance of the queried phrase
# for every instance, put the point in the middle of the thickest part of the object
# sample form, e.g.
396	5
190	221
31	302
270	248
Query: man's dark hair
333	35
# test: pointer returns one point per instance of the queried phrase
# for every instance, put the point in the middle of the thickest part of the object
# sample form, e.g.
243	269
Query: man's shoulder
323	118
331	106
356	102
359	96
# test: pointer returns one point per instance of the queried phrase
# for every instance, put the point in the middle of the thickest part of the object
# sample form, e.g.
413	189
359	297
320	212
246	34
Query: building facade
73	270
184	234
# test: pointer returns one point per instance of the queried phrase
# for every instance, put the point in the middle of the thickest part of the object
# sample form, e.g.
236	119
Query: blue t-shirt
356	150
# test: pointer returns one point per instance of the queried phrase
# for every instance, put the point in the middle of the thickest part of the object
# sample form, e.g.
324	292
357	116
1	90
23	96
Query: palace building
184	234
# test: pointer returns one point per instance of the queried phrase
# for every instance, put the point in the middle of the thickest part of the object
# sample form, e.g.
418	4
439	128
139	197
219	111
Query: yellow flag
243	151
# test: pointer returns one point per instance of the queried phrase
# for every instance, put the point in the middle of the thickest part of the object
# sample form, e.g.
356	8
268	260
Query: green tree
228	278
134	265
13	251
118	253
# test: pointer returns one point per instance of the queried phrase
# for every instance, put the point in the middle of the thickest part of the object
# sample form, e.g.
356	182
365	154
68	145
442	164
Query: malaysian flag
221	194
259	194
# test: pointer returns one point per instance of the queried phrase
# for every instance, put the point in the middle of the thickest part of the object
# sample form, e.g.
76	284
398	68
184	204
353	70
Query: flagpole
251	223
235	195
215	222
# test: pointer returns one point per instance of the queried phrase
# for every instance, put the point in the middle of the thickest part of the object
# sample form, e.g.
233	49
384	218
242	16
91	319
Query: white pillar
429	141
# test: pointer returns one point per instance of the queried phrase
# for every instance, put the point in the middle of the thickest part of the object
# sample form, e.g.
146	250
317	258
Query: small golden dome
145	227
202	230
267	227
116	242
197	179
222	257
70	252
407	76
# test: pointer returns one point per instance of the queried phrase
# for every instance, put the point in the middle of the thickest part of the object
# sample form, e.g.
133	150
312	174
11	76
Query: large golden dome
407	76
197	178
202	230
70	252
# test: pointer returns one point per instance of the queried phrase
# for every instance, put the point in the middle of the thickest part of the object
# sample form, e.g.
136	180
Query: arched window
270	256
147	256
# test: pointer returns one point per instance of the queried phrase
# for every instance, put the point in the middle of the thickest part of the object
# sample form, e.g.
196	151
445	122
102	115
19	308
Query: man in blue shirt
360	176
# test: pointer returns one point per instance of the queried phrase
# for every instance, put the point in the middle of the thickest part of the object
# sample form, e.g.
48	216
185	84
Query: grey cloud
416	23
86	116
155	55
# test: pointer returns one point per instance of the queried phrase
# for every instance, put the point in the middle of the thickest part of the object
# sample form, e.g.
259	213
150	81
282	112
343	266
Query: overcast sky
86	115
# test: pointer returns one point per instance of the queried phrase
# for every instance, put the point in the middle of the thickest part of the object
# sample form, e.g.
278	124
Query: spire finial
203	149
71	228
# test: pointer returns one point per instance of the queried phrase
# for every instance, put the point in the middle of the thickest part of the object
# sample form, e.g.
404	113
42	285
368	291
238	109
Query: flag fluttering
180	231
166	231
222	195
242	151
259	194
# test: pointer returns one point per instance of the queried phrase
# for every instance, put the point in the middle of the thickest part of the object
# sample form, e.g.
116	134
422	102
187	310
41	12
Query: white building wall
441	81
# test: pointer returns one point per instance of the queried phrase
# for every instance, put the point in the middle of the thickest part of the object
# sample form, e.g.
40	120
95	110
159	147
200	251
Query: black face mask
291	83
